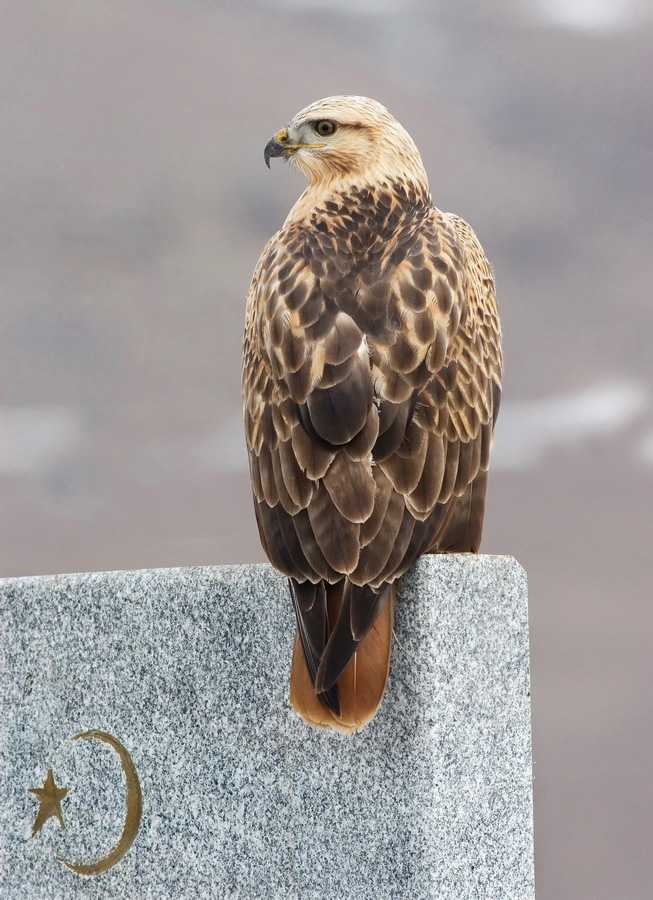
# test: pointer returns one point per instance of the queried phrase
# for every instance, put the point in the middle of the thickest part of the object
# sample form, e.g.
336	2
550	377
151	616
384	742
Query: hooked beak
273	148
280	145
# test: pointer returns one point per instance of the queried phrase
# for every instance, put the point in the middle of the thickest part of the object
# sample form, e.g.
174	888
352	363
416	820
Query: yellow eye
325	128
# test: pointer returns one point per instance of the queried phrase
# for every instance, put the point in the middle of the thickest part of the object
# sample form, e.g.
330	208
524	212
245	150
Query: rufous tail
361	685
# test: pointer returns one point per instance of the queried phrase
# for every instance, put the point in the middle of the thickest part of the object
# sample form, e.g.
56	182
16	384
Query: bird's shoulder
479	339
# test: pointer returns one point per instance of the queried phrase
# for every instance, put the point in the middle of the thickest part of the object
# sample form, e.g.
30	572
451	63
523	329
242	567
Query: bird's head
348	139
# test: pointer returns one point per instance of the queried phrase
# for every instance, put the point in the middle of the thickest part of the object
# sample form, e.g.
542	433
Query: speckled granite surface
188	669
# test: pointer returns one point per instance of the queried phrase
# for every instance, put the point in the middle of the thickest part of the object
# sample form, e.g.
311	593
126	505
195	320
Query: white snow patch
527	431
590	15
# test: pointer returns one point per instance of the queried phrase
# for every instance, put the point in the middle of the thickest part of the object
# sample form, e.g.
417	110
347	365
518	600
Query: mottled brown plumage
371	385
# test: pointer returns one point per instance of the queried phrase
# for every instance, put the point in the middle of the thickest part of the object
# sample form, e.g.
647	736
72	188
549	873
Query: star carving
50	797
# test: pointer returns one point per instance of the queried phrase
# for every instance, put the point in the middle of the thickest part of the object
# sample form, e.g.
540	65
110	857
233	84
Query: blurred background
136	204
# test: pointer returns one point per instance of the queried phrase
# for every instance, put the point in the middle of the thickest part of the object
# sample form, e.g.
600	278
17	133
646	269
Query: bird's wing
309	415
370	395
467	411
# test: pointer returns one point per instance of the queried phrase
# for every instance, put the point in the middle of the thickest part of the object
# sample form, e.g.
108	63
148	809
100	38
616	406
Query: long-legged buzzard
371	386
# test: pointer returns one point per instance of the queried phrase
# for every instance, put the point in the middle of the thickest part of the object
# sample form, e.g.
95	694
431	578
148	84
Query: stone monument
189	776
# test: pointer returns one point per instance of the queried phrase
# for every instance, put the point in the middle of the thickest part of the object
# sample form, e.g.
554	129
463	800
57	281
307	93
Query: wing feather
283	494
351	487
313	456
424	496
298	485
336	536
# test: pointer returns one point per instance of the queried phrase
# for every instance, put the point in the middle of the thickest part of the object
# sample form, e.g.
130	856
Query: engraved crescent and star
51	795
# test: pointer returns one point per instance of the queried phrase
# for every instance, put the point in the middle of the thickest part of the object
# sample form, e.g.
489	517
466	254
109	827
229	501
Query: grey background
135	206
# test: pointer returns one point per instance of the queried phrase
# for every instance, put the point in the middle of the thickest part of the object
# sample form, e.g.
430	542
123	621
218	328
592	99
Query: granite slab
187	671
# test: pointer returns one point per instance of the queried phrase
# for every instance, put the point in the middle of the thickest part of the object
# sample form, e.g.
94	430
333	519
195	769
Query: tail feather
357	611
310	602
356	670
339	648
303	698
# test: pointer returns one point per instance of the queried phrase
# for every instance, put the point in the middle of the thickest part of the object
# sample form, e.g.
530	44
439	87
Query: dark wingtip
331	699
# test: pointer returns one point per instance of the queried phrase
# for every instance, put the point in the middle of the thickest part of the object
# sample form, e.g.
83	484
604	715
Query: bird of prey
371	386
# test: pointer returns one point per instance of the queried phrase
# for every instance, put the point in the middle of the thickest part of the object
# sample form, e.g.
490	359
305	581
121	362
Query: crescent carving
133	803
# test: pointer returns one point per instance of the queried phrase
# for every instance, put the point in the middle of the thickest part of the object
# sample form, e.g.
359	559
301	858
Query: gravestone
191	778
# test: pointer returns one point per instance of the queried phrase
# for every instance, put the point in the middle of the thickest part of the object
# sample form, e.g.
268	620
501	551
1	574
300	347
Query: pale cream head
349	139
